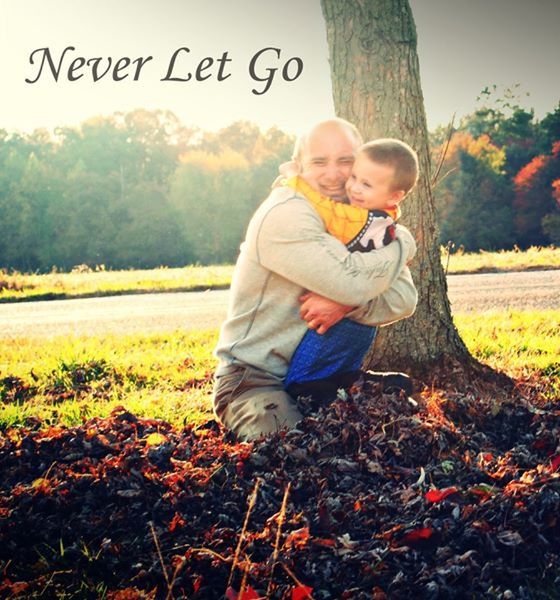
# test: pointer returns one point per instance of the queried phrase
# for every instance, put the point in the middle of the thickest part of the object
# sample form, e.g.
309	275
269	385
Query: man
286	253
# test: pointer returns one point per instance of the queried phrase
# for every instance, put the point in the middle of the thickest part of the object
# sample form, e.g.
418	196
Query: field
83	282
169	376
143	497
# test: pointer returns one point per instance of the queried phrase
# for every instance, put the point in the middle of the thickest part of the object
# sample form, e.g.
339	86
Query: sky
463	47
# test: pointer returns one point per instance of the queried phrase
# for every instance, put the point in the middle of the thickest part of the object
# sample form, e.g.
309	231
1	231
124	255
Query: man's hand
321	313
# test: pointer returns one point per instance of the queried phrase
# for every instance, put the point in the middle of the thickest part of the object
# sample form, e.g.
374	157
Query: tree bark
376	85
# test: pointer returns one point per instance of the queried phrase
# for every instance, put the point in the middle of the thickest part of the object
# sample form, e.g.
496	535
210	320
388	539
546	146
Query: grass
535	258
66	380
169	376
84	282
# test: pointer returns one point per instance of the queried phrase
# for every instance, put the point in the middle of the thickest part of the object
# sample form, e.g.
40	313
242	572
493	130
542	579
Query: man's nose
333	171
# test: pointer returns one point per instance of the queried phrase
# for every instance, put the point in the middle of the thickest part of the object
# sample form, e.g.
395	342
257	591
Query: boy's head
384	171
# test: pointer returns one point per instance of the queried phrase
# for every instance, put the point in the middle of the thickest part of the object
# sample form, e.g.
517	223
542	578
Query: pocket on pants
227	386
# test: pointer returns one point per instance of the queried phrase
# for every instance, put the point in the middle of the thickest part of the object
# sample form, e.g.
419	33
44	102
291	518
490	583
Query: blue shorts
342	349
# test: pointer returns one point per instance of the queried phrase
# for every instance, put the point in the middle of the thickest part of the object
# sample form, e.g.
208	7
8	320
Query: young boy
383	173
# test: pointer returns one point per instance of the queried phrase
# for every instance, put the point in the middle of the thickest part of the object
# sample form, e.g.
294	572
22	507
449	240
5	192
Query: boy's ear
399	195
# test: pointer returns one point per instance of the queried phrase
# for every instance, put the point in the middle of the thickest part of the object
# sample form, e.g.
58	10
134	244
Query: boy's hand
321	313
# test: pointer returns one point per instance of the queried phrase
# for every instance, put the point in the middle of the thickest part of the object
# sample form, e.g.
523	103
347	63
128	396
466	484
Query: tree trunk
376	86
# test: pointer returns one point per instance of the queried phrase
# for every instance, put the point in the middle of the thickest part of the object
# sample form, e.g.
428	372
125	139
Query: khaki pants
252	402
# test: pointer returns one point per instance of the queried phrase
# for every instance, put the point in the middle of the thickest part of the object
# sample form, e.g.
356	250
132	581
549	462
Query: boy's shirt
358	228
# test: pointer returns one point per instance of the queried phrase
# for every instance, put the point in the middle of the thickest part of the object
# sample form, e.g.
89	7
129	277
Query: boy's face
370	185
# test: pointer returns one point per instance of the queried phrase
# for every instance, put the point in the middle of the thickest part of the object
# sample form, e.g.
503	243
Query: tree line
141	190
499	185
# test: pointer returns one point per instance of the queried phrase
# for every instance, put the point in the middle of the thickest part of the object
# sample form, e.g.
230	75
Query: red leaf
196	584
416	535
324	542
439	495
539	444
556	462
231	594
248	594
301	591
176	522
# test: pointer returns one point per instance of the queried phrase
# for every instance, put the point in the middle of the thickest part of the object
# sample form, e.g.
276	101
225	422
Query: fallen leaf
297	538
424	533
509	538
439	495
301	591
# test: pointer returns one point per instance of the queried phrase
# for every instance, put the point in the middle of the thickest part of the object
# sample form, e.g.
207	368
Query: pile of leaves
374	496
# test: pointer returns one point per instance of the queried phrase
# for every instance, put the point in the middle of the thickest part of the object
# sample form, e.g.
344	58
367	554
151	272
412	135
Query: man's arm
398	302
291	241
321	313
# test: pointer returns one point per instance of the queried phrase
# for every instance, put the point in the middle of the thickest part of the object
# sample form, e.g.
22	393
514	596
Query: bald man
287	253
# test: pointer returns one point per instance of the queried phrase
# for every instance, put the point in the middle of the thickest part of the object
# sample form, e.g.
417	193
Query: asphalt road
152	313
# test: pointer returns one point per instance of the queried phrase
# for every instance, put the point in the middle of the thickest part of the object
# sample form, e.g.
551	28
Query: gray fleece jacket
288	251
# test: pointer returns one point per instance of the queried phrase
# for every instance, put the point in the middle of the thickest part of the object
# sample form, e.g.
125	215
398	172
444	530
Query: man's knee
260	411
251	403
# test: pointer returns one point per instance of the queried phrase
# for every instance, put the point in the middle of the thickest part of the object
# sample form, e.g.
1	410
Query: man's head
325	154
383	173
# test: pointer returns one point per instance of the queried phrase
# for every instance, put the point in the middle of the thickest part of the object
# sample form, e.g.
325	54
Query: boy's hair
301	141
389	151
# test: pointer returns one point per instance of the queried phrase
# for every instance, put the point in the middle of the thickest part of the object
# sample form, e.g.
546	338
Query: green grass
518	341
169	376
505	260
84	282
64	380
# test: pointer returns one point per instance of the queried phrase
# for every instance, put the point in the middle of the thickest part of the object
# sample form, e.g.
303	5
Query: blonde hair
398	154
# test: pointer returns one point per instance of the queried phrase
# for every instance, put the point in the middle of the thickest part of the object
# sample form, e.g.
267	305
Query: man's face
370	185
327	158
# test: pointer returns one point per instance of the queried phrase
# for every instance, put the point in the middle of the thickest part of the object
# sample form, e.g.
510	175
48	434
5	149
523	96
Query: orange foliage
526	175
556	190
481	148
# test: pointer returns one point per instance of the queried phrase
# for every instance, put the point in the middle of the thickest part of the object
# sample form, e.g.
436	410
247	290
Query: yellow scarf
344	221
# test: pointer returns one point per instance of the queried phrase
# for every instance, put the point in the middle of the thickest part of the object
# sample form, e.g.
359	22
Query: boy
383	173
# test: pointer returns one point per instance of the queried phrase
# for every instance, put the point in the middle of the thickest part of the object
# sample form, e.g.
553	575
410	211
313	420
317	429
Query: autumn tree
473	198
537	199
376	85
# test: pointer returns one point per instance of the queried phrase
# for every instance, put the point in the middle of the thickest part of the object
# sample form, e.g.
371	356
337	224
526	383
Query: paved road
200	310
